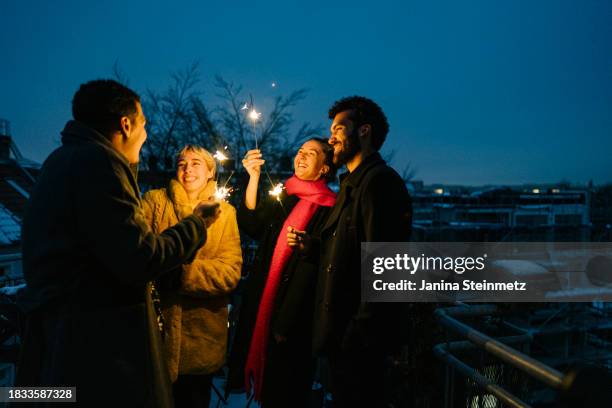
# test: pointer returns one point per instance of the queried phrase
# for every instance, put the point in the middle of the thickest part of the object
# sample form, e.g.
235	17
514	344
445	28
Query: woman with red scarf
271	356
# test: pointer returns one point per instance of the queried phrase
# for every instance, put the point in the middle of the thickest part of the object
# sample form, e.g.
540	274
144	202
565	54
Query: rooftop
10	227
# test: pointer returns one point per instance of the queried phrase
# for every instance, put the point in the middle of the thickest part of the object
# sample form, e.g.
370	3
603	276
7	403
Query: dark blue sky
476	92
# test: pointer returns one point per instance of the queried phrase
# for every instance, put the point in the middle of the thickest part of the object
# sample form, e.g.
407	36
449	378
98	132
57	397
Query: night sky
477	92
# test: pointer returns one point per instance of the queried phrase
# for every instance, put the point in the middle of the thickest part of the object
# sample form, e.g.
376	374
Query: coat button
327	306
334	234
285	278
329	268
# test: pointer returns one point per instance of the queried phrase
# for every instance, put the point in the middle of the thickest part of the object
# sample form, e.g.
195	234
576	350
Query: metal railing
498	348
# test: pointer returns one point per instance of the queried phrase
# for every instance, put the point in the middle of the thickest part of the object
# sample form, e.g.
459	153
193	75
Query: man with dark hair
89	255
101	103
373	205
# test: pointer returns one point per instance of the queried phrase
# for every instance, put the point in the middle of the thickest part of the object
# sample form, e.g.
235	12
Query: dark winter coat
373	205
292	315
88	255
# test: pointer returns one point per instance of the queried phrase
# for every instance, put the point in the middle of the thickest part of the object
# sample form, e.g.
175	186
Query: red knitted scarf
312	194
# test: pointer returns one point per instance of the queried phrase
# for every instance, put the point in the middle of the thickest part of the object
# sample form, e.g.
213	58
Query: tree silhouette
180	115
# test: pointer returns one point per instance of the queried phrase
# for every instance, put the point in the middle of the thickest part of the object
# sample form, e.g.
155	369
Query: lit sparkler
254	115
223	193
220	156
277	190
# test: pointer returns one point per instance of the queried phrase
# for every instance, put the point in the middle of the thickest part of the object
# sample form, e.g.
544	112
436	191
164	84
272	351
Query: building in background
17	177
525	213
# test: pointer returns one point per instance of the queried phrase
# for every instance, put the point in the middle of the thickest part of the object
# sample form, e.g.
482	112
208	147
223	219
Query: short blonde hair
203	153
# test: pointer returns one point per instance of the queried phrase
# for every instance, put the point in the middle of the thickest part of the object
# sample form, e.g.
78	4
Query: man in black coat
88	255
373	205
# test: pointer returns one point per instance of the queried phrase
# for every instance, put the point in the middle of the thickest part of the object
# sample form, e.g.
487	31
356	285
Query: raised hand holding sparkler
252	162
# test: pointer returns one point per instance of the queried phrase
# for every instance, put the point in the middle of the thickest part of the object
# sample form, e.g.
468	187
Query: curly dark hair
100	104
364	111
328	151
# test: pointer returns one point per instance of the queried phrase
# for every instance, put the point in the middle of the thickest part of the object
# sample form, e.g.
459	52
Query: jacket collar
349	181
182	205
353	179
78	132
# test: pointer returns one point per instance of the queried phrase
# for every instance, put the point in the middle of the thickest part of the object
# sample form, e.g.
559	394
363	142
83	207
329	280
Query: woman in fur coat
194	307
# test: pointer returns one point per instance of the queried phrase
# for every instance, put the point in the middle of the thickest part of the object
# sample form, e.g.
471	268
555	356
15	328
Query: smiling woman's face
309	161
192	172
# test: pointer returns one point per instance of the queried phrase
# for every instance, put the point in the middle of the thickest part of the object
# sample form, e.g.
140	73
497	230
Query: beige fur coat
196	315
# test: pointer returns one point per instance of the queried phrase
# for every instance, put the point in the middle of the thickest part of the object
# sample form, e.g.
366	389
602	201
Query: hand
279	338
209	211
297	239
252	162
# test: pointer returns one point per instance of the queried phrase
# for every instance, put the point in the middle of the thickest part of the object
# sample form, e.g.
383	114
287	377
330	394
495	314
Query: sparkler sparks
220	156
223	193
254	115
277	190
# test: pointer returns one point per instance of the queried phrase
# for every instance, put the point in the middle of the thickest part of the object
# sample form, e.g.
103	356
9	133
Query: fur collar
182	205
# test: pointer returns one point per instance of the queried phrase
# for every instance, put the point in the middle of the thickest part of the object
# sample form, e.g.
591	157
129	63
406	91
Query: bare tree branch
179	115
169	118
408	172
